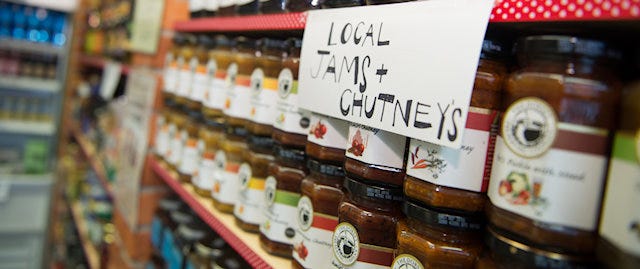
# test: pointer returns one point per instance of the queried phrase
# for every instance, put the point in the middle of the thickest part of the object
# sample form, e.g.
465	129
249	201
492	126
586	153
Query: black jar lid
170	204
373	191
247	43
223	41
260	143
211	245
237	131
566	46
504	248
324	168
272	43
215	123
182	216
178	39
190	39
493	49
439	218
195	115
206	41
292	157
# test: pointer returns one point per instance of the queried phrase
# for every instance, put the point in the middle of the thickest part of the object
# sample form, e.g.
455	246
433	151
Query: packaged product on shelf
162	218
220	57
211	8
238	94
273	6
226	181
281	194
178	137
457	179
192	148
226	7
171	65
367	217
327	139
187	64
376	155
619	244
162	138
291	124
551	153
300	5
437	239
187	237
170	251
211	133
264	87
342	3
207	250
197	8
200	78
247	7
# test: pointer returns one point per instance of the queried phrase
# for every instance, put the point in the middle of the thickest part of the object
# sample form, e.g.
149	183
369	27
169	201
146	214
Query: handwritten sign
405	68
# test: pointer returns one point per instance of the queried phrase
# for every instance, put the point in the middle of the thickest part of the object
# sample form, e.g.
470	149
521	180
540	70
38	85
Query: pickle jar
226	183
178	137
282	193
211	132
317	215
247	7
200	77
375	155
437	239
264	87
367	218
342	3
187	64
237	108
170	76
457	179
192	148
227	8
551	154
249	210
273	6
302	5
619	244
220	58
161	219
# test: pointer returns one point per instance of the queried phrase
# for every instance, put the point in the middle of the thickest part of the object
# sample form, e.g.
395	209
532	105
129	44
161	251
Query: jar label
348	252
196	5
176	147
375	146
226	3
280	213
250	205
226	185
191	154
170	76
185	77
204	174
162	136
171	133
315	231
200	83
563	185
328	132
243	2
467	168
620	222
289	117
407	261
211	5
238	94
264	92
216	93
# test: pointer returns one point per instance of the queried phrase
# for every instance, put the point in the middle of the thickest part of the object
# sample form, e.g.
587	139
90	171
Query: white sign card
405	68
110	79
145	29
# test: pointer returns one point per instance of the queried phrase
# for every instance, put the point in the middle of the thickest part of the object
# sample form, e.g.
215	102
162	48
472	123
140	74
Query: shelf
89	152
29	84
246	244
99	62
90	251
60	5
286	21
28	46
27	127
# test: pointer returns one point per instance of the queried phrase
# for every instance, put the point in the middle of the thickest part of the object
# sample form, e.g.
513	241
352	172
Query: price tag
405	68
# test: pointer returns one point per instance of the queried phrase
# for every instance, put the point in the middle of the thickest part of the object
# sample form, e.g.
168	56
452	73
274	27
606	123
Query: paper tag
110	78
383	71
328	132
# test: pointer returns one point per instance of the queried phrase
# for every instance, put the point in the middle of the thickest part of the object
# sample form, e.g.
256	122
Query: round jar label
346	243
220	160
406	261
529	127
305	213
257	76
285	83
244	175
230	79
270	190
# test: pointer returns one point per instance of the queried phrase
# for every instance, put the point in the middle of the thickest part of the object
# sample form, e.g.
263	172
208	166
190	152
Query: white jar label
250	205
315	232
211	5
191	154
185	77
264	92
348	252
375	146
200	83
328	132
289	117
226	185
176	147
238	93
196	5
280	213
170	73
216	93
162	136
406	261
204	178
226	3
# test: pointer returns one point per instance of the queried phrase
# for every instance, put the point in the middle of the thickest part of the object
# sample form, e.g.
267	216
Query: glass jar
376	155
273	6
187	64
509	253
170	250
317	215
170	77
249	210
178	135
302	5
211	132
227	8
211	8
162	138
196	9
220	58
367	218
619	244
327	139
342	3
560	107
161	219
291	123
238	94
226	184
264	87
186	238
282	193
436	239
457	179
192	148
206	250
199	77
247	7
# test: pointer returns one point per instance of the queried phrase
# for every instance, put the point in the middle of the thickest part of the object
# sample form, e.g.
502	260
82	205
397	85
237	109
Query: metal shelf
89	152
28	46
90	251
27	127
29	84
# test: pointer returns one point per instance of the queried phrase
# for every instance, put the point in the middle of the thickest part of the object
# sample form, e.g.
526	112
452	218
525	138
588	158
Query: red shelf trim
251	257
98	62
89	152
286	21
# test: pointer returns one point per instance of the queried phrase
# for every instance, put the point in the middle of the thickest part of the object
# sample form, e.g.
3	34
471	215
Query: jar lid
190	234
222	41
190	39
570	46
327	169
294	43
245	42
182	216
195	115
519	253
438	218
271	43
206	41
260	143
169	203
359	188
289	155
210	246
493	48
178	39
239	131
216	123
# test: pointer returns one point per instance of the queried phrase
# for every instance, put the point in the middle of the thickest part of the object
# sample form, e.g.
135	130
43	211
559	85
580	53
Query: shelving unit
272	22
89	151
99	62
246	244
26	46
26	127
90	251
30	84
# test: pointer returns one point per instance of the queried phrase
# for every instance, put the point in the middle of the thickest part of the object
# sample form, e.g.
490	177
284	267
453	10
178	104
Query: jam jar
192	148
226	184
273	6
249	210
342	3
367	217
376	155
170	76
619	244
291	123
187	64
238	93
457	179
170	252
437	239
509	253
211	8
162	137
302	5
187	236
206	250
282	193
178	137
161	219
327	139
227	7
551	154
220	57
317	215
211	132
247	7
199	77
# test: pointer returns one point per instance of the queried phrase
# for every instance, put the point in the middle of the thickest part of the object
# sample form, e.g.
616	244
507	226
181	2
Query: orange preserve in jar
327	139
249	210
192	148
220	57
210	133
367	218
162	137
238	94
226	184
437	239
619	244
291	123
281	194
170	76
199	76
187	64
178	137
317	215
551	154
457	179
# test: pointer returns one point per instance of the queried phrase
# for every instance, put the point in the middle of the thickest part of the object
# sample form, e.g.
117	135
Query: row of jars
211	8
524	190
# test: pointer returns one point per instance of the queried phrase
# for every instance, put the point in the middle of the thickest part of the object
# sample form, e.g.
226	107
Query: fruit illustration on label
518	190
431	162
319	130
301	250
227	103
357	144
280	118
